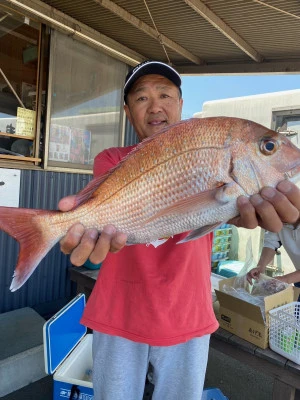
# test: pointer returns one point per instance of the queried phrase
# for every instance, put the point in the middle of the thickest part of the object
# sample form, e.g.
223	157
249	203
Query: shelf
16	136
19	158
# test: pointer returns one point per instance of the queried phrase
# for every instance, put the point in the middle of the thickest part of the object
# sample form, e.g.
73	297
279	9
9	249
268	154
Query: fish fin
158	242
210	198
87	192
250	177
197	233
34	244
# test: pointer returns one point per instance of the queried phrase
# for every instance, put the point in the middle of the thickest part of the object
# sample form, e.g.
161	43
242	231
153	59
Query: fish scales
171	181
170	175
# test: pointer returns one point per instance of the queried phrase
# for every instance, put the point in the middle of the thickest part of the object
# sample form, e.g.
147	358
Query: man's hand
270	208
85	244
253	274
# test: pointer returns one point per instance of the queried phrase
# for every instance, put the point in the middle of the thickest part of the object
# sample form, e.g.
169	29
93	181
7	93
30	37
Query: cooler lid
62	333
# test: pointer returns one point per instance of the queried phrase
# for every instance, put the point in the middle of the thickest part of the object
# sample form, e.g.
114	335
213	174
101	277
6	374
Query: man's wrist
261	269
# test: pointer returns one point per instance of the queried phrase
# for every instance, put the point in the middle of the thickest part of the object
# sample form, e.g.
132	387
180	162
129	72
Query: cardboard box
68	353
246	320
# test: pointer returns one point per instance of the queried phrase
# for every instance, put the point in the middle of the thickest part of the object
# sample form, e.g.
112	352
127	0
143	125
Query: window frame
36	160
65	168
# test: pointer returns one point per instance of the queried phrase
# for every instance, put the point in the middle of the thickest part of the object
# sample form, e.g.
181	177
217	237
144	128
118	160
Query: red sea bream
186	178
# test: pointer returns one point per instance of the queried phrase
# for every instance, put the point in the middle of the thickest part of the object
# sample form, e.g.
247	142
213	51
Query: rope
277	9
158	34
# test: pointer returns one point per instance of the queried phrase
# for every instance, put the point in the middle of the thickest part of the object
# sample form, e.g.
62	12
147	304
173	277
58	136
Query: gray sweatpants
120	368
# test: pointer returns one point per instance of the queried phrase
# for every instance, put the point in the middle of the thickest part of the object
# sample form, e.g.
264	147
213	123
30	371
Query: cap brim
152	67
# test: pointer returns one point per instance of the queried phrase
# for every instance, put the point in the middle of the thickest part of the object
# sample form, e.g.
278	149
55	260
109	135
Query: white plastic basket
284	332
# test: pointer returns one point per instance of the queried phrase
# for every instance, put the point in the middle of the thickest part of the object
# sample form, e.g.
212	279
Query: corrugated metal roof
227	35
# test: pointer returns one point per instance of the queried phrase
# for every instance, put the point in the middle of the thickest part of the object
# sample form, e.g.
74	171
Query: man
154	304
289	238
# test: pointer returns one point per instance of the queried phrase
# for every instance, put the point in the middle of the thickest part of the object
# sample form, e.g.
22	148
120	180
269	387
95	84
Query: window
19	87
85	102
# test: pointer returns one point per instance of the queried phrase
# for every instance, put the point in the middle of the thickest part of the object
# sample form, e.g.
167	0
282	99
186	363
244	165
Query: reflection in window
86	101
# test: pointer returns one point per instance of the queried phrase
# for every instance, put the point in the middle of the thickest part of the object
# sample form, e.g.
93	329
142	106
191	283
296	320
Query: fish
184	179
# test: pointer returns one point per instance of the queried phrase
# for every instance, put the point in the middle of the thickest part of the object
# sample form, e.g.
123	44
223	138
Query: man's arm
292	277
266	257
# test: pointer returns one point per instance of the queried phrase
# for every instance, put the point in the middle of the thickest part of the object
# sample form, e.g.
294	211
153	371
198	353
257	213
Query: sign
69	144
9	187
25	122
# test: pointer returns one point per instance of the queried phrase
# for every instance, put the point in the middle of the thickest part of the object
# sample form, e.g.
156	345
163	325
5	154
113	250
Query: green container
287	339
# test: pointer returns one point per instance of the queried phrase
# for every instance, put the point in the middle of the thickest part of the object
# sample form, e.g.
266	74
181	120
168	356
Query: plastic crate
284	332
223	232
222	240
213	394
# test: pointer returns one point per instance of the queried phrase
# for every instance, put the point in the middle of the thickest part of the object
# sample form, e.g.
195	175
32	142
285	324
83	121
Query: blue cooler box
213	394
68	352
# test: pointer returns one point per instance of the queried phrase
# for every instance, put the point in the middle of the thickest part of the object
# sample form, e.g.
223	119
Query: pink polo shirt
159	296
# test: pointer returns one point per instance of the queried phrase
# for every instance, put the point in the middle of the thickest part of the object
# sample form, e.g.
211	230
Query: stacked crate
221	245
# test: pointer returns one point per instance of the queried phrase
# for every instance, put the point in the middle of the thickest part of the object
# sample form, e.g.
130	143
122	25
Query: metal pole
12	89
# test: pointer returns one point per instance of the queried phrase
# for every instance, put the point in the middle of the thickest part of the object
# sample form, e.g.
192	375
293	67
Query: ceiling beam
148	30
56	19
18	35
277	9
225	29
287	67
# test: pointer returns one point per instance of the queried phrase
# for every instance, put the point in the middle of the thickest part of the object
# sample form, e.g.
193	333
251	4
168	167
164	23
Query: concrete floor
21	349
42	390
237	382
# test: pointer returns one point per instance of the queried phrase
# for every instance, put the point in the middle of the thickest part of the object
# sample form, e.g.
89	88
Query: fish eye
268	146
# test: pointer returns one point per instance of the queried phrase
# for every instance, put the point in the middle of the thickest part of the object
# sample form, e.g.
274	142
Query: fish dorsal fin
87	192
209	198
152	138
197	233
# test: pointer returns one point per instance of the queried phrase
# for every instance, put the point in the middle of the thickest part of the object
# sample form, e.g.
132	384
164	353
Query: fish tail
33	237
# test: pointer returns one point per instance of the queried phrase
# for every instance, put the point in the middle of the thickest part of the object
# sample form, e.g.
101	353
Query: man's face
152	104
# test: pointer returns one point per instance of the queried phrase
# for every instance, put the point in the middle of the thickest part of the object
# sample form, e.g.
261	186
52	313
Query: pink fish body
186	178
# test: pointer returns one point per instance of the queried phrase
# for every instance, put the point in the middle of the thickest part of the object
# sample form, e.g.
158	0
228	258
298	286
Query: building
279	111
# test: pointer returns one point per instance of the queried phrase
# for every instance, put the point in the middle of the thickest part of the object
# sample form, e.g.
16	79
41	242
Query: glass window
19	52
86	104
